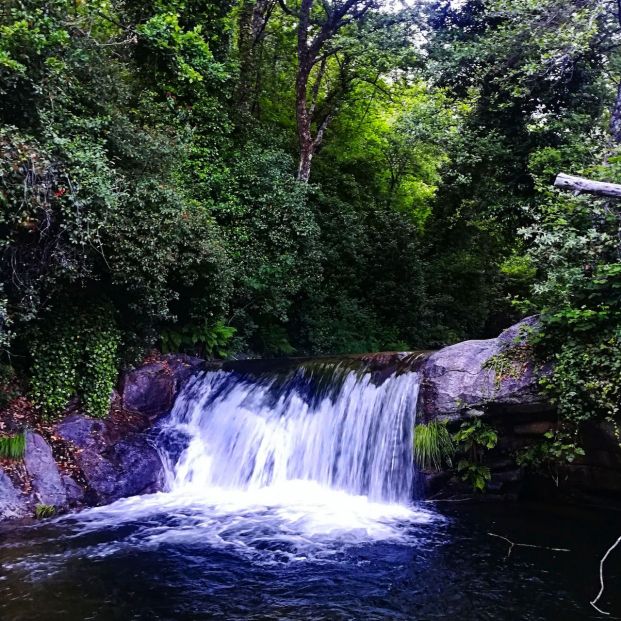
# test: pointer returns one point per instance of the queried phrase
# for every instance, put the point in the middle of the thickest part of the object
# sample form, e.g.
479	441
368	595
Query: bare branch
601	568
513	544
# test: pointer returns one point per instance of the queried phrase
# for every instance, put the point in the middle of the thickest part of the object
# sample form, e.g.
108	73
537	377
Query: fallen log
581	184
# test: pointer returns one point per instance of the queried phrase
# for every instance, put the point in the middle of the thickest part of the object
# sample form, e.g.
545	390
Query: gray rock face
75	494
83	431
139	465
151	390
12	502
113	468
47	484
456	378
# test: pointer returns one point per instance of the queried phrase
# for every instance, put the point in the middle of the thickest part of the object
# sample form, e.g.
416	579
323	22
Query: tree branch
286	9
580	185
601	568
512	545
317	85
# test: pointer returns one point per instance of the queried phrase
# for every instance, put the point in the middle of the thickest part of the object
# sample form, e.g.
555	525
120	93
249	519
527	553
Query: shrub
472	440
76	357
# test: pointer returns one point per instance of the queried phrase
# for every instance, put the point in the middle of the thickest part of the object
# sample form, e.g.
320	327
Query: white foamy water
273	467
327	425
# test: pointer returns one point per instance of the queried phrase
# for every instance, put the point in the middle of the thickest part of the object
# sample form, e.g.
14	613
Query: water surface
289	495
178	558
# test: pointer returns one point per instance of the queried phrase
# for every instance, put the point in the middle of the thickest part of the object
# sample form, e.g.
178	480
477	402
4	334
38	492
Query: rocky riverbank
497	380
80	461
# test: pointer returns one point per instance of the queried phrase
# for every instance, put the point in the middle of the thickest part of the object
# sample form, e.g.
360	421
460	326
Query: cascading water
289	497
289	463
325	423
303	464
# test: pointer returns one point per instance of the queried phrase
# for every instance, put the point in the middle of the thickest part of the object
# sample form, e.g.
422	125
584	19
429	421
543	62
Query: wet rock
45	477
456	379
113	468
591	479
534	428
12	501
152	388
140	467
74	491
83	431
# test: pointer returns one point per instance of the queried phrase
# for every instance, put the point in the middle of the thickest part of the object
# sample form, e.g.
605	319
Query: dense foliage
154	159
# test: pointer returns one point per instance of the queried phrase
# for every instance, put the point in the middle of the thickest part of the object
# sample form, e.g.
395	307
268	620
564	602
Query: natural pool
289	497
161	557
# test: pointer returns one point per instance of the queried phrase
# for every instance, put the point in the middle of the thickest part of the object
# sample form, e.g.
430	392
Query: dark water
288	499
187	564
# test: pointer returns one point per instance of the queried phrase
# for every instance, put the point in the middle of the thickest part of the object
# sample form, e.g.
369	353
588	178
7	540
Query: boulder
83	431
113	468
458	378
47	484
12	502
151	389
139	465
75	493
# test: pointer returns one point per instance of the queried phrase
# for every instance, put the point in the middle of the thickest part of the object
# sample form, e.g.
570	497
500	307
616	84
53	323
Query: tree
252	23
331	37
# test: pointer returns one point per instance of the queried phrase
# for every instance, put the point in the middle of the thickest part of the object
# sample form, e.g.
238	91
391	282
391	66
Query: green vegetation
76	356
433	445
556	448
203	339
12	447
509	363
43	511
472	440
289	178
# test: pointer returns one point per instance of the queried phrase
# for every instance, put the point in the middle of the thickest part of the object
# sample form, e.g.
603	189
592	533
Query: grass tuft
13	447
44	511
432	445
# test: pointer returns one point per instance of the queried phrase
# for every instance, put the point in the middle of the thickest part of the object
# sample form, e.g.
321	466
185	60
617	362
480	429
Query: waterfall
328	424
275	464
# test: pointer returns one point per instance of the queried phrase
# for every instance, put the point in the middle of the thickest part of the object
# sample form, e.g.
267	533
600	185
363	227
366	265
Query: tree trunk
615	119
306	159
303	116
304	121
580	184
253	18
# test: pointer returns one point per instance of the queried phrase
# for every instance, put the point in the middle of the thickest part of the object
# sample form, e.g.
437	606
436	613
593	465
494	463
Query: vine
76	358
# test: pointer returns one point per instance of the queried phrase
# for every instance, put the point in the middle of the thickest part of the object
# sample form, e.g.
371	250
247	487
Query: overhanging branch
581	185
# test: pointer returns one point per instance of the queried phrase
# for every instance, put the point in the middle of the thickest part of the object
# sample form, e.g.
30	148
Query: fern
432	445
